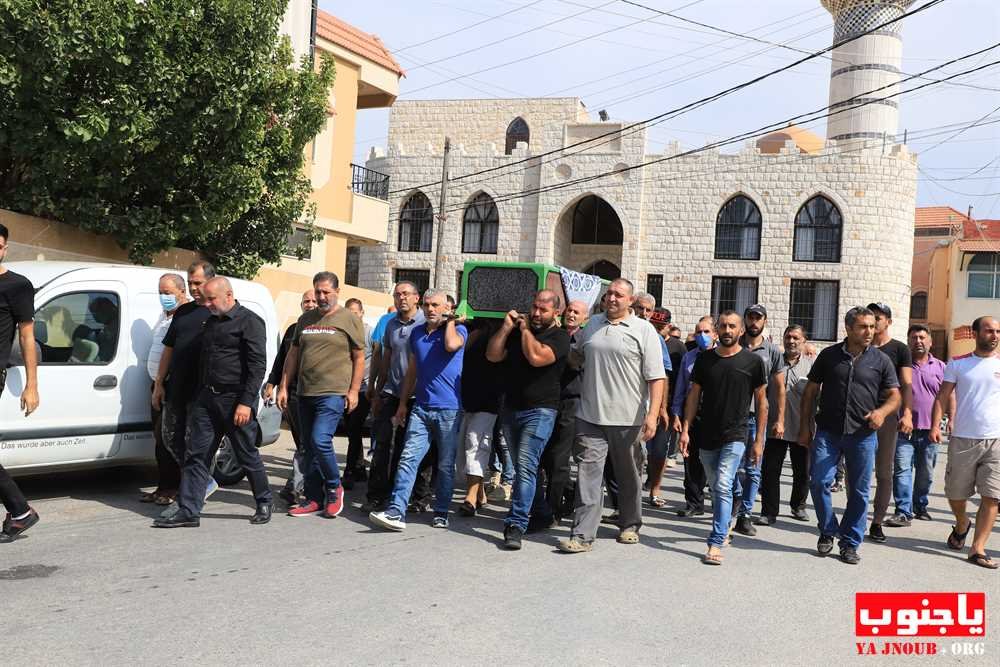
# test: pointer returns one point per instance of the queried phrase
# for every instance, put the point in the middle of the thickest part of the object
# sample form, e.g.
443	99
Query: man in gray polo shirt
620	401
748	478
389	376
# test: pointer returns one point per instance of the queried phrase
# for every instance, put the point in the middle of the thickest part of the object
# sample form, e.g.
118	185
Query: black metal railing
369	183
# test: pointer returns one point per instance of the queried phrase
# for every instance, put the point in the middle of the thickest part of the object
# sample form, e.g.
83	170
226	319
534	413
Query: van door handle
106	382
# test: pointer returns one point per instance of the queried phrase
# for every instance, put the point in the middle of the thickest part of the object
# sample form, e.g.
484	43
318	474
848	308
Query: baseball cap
882	308
660	316
756	308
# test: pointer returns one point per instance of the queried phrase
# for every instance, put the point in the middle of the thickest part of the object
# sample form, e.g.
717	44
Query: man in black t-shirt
723	382
899	353
17	313
534	351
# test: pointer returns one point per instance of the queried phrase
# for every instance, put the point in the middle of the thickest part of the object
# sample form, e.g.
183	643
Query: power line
928	150
690	105
468	27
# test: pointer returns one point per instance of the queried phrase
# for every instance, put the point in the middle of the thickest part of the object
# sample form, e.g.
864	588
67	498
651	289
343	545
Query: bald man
233	363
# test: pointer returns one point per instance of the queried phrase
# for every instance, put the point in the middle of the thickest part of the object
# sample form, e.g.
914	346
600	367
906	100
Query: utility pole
441	216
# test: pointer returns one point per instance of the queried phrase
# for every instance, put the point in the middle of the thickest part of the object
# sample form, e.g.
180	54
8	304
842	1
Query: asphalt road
92	583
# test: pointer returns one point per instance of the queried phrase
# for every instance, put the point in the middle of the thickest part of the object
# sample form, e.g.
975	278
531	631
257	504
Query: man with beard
327	360
619	410
974	446
857	389
723	382
533	353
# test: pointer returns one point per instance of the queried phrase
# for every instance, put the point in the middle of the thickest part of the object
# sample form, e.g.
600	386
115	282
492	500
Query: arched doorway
588	238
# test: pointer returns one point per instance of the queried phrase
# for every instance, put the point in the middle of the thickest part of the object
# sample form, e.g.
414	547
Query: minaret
863	65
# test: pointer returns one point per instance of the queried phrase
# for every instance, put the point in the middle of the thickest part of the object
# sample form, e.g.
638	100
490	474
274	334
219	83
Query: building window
984	276
818	228
733	294
918	306
516	131
654	287
737	230
419	277
813	304
416	224
298	244
480	225
596	223
352	267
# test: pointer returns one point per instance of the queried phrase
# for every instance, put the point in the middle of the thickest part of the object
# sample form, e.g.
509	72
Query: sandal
467	509
657	501
957	540
163	499
148	497
982	560
628	537
711	558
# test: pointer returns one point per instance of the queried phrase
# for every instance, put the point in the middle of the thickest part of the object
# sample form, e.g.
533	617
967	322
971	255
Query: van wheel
228	470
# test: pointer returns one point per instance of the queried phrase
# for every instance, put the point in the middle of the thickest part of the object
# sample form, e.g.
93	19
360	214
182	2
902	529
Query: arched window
480	224
818	229
416	222
918	306
516	131
602	268
596	223
737	229
984	276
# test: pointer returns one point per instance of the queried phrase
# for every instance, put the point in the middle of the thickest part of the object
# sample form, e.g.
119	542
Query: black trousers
695	478
168	467
210	417
10	493
389	442
770	471
555	459
355	442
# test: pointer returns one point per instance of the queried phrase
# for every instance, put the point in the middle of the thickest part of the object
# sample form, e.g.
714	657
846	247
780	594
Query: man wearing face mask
172	296
695	478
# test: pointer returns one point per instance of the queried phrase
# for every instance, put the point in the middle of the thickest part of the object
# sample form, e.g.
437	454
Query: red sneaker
307	508
334	502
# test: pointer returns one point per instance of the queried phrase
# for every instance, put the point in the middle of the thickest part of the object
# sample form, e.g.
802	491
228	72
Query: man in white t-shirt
974	446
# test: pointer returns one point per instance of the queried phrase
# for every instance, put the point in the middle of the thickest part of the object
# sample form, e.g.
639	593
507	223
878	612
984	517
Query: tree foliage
159	123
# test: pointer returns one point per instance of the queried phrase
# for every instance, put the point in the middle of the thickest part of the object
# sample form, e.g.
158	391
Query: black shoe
263	513
370	506
541	524
691	511
14	527
850	555
764	520
744	527
360	475
287	495
825	545
800	515
177	521
467	509
875	533
512	538
897	521
347	481
922	515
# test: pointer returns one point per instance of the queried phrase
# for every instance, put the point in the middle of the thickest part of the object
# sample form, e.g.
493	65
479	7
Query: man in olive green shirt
327	358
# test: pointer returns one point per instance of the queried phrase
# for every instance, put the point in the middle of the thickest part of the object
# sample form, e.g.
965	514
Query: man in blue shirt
434	380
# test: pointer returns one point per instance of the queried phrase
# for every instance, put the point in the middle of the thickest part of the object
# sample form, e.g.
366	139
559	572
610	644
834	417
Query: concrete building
807	226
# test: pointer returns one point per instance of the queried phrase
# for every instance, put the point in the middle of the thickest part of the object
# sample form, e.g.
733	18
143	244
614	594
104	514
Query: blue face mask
168	301
703	340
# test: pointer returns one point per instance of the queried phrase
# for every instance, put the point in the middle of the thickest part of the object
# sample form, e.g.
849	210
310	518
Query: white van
92	381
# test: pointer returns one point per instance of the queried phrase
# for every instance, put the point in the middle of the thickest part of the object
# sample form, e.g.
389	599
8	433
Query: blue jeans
443	427
859	460
721	465
527	432
318	420
747	480
913	472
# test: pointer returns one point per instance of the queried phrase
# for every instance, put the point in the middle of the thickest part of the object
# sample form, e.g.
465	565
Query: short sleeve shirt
619	361
325	341
380	326
927	378
796	379
528	386
17	306
851	387
727	385
774	361
480	396
396	343
899	353
184	339
439	372
977	389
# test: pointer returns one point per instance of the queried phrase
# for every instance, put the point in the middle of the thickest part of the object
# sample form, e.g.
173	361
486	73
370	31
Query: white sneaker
212	487
388	521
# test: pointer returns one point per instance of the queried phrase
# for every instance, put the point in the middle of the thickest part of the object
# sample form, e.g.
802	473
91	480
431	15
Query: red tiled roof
332	29
939	216
979	245
980	229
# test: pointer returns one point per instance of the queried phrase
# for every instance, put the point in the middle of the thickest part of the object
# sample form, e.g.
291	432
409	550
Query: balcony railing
369	183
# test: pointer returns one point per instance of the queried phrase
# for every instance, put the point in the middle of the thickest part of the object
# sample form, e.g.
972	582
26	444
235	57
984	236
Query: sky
635	64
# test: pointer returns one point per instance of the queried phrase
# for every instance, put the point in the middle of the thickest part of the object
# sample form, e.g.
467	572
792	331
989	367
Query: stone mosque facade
807	226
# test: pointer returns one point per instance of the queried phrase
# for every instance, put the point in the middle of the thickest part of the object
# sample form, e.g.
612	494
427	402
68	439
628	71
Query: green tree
159	123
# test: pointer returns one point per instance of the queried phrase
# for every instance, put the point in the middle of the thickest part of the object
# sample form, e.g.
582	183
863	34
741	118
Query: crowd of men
514	403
